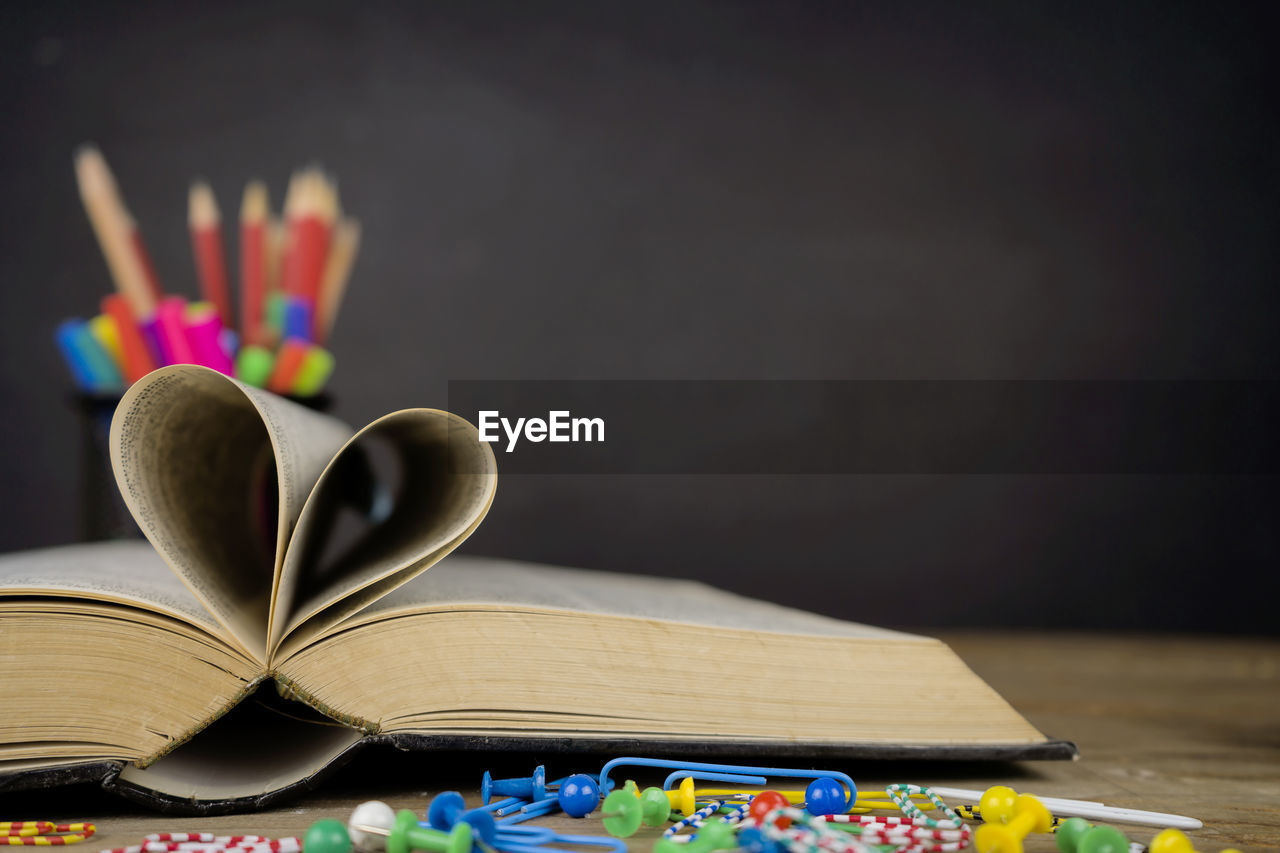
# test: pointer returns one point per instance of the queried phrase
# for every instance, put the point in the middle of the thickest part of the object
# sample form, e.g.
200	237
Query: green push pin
1077	835
624	810
407	835
327	836
712	835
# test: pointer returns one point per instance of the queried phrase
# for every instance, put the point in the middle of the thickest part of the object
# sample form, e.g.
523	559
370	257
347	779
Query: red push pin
765	802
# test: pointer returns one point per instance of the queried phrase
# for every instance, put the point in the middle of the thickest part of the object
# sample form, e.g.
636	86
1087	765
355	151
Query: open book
283	616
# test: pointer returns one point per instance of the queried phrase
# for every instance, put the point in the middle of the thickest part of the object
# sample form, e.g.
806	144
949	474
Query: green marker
317	366
276	303
254	365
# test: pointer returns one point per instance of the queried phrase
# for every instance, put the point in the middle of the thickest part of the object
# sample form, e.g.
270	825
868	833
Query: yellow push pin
684	799
1010	818
1175	841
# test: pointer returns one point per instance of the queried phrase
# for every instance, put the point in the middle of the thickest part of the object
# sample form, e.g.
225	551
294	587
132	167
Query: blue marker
91	367
297	319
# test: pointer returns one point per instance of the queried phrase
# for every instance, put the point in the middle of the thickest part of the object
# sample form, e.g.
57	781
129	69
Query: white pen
1085	808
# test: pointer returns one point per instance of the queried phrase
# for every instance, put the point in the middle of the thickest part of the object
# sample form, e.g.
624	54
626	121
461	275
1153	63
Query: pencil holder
101	513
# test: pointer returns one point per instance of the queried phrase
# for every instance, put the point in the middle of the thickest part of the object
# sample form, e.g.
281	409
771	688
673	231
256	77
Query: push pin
1011	819
534	788
372	813
712	835
824	796
327	836
683	799
447	809
1173	841
1077	835
752	840
766	801
578	795
626	809
406	835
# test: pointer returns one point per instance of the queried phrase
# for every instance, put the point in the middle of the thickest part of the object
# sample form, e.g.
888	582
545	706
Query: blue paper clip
705	776
851	792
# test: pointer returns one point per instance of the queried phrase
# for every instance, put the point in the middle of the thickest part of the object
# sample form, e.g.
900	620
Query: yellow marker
107	334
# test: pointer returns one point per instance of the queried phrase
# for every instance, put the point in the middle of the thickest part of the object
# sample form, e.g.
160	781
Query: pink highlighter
204	333
171	331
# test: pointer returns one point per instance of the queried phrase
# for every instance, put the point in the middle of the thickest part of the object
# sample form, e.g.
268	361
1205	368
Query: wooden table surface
1176	724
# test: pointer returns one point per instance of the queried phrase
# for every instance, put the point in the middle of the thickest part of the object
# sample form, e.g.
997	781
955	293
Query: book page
446	482
216	474
127	572
485	583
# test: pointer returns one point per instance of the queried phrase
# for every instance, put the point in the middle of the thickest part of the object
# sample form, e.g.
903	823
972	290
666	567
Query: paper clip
851	792
43	833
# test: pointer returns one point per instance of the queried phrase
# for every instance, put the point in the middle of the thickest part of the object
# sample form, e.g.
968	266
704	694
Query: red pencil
148	269
253	262
206	244
133	349
310	223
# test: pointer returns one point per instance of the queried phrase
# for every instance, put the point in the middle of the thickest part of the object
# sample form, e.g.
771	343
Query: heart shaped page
400	495
216	474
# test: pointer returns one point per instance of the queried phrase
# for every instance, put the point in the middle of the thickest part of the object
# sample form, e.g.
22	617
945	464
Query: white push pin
373	813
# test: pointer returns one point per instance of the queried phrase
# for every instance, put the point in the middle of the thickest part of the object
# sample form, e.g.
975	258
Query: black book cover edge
106	772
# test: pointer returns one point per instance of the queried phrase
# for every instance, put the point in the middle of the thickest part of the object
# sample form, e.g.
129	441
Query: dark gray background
710	191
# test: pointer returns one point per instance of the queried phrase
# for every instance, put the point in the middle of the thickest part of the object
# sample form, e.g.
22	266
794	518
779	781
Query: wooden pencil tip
203	207
92	172
256	204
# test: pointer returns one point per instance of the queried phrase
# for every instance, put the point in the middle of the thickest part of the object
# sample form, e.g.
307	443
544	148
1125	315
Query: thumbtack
712	835
407	835
1013	817
625	810
1077	835
1173	841
684	799
765	802
373	813
327	836
533	788
578	795
447	809
824	796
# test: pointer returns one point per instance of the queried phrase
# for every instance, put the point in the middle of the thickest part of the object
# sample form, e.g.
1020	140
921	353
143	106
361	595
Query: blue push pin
534	788
579	795
753	840
449	808
824	796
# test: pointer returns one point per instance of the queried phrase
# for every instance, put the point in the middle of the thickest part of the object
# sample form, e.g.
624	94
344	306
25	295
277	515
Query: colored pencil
205	222
253	261
116	232
337	272
310	224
